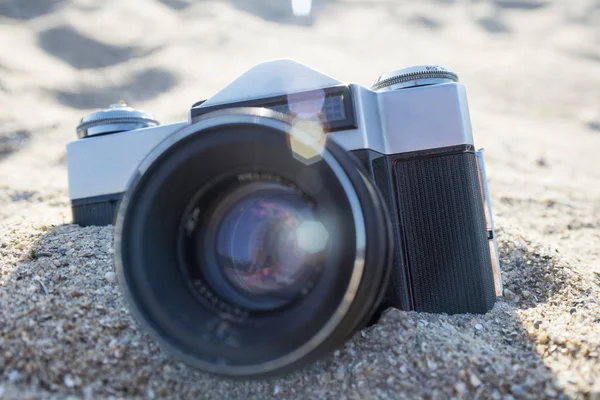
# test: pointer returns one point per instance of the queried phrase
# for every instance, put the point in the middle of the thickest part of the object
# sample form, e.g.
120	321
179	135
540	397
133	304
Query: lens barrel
242	259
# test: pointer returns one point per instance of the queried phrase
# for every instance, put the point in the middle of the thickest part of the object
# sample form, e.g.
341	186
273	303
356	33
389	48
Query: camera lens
268	245
242	260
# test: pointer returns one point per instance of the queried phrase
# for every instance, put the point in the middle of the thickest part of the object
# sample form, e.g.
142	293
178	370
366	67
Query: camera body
412	135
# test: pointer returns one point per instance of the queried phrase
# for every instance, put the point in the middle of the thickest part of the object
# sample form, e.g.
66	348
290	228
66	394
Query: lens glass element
268	243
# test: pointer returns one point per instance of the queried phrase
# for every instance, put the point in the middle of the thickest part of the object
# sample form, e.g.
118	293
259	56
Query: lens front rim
278	122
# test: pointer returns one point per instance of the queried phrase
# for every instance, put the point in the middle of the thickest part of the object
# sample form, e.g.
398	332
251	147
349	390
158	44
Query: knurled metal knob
116	118
420	75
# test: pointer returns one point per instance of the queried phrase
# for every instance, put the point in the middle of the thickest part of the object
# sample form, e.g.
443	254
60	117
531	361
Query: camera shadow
67	331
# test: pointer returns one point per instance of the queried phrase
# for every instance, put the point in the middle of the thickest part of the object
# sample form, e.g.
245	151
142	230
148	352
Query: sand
532	71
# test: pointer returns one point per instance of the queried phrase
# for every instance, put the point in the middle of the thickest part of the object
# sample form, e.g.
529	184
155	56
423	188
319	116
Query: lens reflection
269	243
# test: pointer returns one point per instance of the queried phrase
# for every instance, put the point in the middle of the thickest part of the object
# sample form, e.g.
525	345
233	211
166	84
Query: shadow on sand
140	86
83	52
27	9
12	141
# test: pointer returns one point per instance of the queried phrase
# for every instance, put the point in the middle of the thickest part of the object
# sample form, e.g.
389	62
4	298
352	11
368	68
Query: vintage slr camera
289	210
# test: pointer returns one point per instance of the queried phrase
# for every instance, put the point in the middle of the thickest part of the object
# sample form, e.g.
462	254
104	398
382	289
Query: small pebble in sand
541	161
508	294
460	389
475	381
13	375
110	276
518	390
69	381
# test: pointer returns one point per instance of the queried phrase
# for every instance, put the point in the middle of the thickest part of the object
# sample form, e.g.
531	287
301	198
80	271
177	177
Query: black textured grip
99	214
444	234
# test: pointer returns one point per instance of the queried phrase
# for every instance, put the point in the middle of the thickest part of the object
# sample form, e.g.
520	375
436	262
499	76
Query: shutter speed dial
420	75
116	118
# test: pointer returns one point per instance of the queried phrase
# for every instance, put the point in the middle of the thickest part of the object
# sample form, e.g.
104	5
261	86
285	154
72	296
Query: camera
289	210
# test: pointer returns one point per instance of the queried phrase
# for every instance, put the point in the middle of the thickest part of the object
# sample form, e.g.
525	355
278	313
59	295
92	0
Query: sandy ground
532	71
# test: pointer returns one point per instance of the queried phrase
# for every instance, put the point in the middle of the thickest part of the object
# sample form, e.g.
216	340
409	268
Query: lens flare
301	8
312	236
306	104
307	139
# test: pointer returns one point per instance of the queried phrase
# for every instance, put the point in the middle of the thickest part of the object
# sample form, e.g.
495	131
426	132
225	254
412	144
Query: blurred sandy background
531	69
